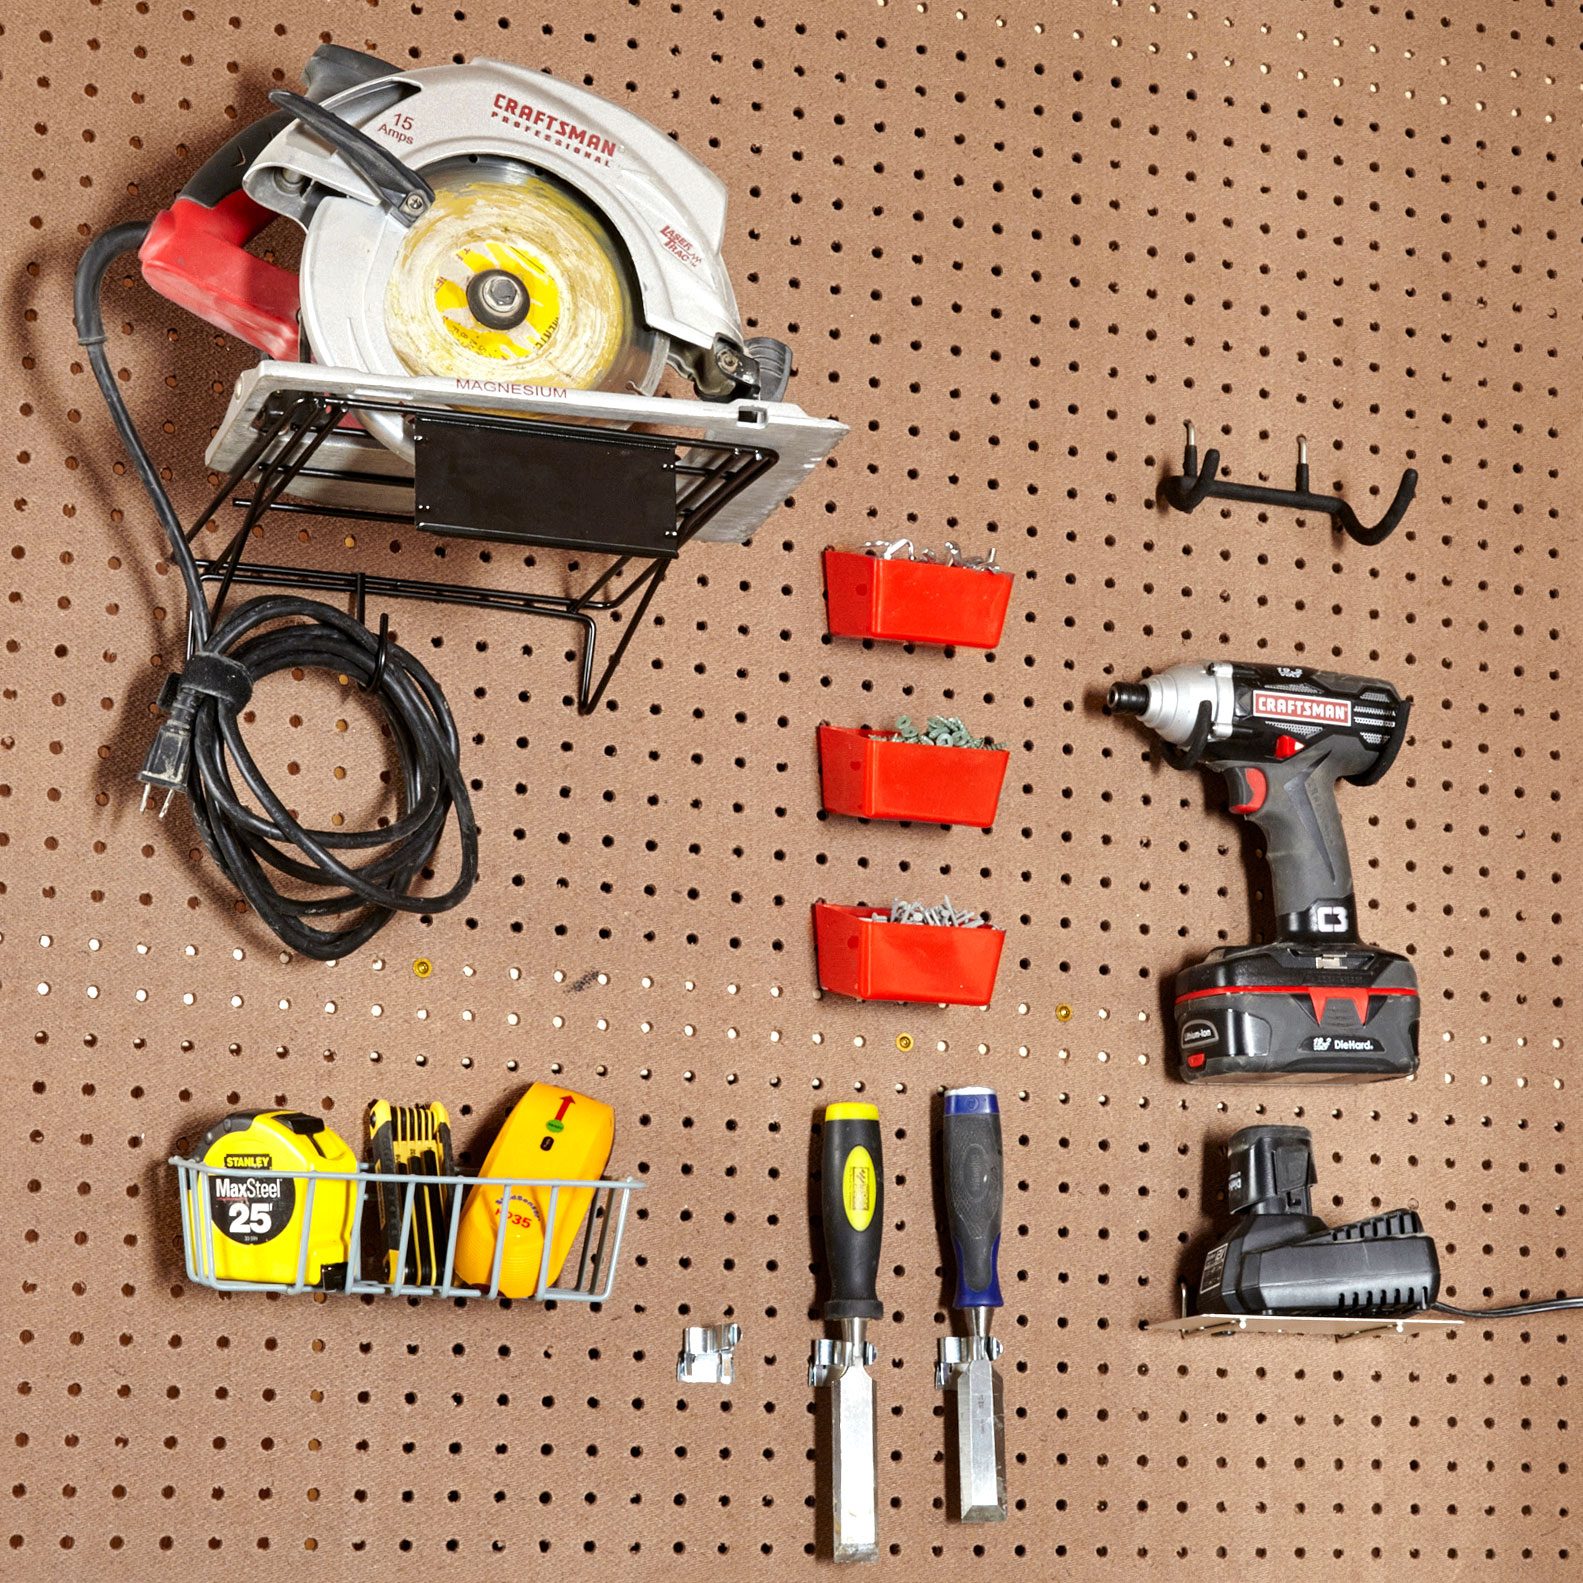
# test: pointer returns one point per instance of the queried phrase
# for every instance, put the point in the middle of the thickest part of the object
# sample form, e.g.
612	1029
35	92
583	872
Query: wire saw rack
590	1263
634	478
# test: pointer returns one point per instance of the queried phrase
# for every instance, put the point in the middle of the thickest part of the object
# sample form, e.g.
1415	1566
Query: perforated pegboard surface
1014	250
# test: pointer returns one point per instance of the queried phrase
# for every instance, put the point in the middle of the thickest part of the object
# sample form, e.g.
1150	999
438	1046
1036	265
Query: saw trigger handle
330	70
195	254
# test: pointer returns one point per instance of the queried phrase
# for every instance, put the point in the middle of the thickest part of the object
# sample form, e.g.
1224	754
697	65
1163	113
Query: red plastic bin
931	964
868	775
913	601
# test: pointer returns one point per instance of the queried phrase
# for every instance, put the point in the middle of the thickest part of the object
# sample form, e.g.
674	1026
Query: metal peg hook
1196	483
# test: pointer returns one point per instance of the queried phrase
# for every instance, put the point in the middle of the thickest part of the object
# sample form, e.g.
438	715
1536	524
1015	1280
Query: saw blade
512	276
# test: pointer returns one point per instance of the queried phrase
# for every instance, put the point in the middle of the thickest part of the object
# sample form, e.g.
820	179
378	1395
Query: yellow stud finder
257	1225
551	1132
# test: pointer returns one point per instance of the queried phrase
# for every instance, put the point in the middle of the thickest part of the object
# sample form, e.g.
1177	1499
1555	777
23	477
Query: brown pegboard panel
1014	248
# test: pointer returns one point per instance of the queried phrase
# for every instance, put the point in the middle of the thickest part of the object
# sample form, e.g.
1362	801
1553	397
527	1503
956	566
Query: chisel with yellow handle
853	1199
973	1194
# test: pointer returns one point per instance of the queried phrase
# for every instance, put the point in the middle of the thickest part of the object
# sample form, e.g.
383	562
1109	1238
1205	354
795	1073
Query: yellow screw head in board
904	1042
422	967
1063	1012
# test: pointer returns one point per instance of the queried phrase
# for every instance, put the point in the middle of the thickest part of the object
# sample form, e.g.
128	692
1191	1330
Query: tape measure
257	1225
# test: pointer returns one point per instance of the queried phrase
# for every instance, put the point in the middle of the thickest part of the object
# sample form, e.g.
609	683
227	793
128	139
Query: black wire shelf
580	488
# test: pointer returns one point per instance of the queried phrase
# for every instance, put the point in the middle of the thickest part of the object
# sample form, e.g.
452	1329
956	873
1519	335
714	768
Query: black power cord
1546	1305
199	744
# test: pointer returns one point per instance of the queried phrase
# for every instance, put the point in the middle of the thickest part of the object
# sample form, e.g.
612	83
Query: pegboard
1013	249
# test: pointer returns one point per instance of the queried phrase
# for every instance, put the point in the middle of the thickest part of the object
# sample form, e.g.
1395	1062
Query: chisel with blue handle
974	1189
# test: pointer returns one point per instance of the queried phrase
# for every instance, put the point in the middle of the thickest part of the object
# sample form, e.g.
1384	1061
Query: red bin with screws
914	601
871	958
870	775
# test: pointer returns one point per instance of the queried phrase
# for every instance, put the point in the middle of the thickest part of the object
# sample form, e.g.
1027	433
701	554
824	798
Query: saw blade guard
661	213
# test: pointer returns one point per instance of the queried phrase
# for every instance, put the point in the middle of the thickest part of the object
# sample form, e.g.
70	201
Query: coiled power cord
199	748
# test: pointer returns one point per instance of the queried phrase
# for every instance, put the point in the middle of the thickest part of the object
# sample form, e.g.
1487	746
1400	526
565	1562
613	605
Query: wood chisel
853	1201
973	1192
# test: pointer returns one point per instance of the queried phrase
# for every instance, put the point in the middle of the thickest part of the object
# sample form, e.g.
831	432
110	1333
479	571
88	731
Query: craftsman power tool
974	1187
477	235
496	271
853	1208
1315	1005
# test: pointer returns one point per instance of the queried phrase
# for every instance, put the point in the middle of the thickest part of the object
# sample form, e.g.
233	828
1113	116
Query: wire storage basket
550	1238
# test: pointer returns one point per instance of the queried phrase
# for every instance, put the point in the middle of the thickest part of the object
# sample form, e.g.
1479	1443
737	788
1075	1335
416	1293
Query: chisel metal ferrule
958	1351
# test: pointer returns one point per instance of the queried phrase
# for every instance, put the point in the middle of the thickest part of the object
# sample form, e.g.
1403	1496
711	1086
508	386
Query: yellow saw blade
569	317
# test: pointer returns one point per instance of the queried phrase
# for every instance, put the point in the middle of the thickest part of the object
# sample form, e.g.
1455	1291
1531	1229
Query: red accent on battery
868	775
1286	746
1319	995
914	601
198	259
930	964
1258	789
1196	1059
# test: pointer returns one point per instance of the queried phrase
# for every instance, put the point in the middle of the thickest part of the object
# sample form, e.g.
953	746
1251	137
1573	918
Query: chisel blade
980	1442
854	1466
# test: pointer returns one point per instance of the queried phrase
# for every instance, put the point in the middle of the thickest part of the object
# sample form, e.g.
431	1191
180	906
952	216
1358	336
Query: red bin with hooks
929	964
913	601
869	775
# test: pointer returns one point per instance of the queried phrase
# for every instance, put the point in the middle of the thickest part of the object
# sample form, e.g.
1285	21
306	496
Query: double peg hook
1196	484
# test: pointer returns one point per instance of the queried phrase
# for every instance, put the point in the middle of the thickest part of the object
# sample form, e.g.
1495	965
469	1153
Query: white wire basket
587	1274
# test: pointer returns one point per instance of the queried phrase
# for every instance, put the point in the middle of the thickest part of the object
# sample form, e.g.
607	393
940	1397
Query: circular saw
481	223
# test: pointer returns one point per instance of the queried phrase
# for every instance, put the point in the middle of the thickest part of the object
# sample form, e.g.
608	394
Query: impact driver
1317	1005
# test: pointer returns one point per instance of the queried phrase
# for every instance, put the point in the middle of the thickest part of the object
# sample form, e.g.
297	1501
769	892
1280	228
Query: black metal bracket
707	474
1196	484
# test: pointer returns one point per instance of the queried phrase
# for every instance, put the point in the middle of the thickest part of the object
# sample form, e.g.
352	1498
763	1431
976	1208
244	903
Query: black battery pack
1291	1012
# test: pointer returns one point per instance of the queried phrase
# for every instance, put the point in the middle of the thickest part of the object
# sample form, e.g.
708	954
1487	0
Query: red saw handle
196	254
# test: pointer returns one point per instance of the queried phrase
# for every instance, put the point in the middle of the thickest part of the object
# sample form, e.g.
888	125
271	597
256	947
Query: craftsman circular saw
477	231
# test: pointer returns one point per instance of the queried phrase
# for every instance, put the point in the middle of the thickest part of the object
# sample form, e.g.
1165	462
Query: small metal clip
707	1357
958	1350
830	1357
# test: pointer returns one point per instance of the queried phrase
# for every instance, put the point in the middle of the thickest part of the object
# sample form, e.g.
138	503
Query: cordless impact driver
1316	1005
